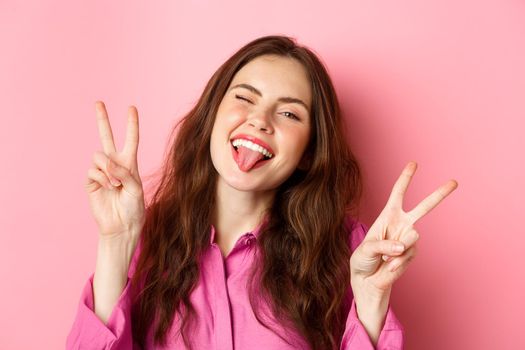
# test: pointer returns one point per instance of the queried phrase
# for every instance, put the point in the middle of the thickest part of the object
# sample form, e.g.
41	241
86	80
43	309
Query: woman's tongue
246	158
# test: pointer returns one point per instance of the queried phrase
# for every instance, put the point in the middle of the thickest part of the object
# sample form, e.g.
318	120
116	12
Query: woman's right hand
114	186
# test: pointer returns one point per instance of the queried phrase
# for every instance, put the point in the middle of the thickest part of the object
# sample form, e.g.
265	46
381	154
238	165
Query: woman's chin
244	182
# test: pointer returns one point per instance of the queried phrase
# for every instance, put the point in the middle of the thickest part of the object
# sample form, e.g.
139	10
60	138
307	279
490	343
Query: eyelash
292	115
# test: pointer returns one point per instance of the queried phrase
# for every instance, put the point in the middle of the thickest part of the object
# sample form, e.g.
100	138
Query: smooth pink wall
439	82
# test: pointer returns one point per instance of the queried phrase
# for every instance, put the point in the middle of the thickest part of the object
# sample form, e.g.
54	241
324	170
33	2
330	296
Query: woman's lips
254	140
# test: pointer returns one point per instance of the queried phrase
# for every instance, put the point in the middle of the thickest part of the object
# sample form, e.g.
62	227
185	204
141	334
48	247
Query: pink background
439	82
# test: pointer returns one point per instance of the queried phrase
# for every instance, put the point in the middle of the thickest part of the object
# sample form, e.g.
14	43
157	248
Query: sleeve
355	336
89	332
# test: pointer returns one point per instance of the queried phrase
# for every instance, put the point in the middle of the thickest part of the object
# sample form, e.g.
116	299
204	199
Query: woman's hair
304	274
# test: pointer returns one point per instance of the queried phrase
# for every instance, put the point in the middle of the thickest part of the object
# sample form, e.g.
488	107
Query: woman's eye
291	115
242	98
286	114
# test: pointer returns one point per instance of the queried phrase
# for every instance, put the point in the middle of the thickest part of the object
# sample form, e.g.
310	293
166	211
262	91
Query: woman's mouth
249	155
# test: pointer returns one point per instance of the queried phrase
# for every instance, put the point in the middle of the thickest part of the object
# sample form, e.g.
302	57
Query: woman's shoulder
355	229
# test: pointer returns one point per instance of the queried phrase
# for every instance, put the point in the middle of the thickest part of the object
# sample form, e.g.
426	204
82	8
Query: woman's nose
261	121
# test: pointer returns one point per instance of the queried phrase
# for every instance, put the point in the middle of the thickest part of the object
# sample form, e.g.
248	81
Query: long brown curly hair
304	249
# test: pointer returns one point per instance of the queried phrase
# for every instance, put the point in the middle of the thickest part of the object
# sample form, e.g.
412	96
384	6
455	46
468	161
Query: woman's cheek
236	113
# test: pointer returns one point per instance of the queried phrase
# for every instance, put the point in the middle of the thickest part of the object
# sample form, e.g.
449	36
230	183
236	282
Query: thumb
372	248
123	175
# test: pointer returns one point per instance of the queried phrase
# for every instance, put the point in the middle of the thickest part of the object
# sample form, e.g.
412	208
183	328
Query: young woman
249	241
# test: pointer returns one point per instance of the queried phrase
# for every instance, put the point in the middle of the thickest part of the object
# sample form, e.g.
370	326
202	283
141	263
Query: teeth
252	146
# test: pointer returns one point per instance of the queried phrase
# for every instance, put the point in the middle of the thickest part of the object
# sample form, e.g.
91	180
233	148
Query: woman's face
265	113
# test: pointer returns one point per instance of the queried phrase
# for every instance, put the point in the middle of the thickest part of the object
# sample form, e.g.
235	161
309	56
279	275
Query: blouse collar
255	232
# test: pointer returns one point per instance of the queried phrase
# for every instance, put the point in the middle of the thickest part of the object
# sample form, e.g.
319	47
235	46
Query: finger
401	185
97	179
132	134
408	239
429	203
399	261
381	247
104	128
100	160
123	174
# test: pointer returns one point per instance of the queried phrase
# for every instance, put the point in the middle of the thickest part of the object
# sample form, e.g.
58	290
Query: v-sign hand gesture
375	265
114	187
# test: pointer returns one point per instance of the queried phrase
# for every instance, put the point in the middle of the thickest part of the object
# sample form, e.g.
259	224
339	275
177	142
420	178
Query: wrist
116	252
119	240
367	291
372	303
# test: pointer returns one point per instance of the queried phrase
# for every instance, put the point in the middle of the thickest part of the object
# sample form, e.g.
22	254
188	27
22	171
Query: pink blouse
225	317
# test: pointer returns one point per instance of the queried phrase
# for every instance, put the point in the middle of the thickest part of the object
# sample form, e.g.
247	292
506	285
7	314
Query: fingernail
398	248
386	258
115	183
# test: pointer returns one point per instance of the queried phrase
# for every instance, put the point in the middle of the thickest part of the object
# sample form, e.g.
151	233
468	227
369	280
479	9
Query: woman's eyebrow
281	99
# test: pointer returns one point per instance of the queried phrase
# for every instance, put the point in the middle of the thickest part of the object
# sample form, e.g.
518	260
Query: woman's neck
237	212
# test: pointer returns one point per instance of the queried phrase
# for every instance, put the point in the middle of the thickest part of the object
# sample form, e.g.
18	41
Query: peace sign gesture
114	186
376	264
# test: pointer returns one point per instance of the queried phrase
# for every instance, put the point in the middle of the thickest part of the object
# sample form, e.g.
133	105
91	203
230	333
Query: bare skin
243	196
125	203
375	264
116	199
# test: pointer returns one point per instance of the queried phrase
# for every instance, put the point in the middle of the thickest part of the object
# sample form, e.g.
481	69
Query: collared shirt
225	318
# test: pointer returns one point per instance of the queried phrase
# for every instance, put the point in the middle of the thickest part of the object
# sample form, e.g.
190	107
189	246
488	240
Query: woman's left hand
375	265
